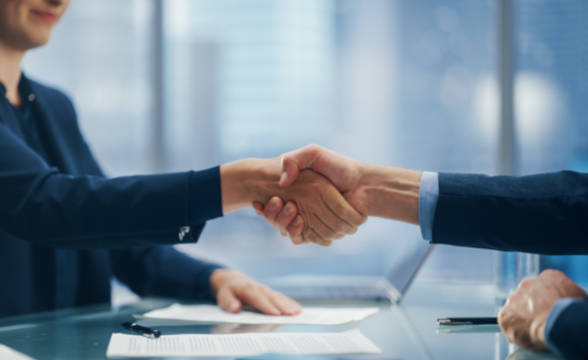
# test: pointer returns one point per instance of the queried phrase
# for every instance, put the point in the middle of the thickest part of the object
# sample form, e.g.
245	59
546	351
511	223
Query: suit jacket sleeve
545	214
567	335
163	271
47	207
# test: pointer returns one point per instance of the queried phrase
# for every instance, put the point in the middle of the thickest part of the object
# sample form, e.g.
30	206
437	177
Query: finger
345	211
286	217
295	228
323	229
272	208
258	207
299	240
333	220
286	305
311	235
227	300
256	297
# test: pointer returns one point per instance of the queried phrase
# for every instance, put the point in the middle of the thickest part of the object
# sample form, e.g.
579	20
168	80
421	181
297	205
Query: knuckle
519	334
313	148
550	273
249	288
502	316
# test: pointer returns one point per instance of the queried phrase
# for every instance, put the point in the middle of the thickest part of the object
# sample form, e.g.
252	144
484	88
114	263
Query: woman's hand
233	290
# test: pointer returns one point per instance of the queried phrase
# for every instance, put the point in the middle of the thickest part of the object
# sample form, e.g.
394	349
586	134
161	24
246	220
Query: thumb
227	300
290	171
297	160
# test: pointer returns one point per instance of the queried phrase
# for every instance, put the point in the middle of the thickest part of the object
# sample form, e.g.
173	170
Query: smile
46	16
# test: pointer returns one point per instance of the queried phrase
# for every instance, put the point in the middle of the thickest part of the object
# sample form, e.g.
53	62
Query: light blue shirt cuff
556	310
428	196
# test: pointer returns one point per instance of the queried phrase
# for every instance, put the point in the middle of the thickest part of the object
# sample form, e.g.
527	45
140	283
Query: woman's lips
46	16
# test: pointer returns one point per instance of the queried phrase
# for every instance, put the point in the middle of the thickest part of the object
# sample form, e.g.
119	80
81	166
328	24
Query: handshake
316	195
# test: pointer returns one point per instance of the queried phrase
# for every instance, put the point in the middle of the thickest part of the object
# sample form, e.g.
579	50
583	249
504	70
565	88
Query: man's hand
372	190
345	173
233	290
522	319
324	214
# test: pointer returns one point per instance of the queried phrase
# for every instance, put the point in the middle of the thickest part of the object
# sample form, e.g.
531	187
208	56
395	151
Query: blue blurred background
164	85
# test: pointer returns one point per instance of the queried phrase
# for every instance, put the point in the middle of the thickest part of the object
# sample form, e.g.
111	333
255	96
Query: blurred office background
170	85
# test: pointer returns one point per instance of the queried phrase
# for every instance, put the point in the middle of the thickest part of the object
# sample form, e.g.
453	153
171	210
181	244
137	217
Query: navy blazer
119	226
546	214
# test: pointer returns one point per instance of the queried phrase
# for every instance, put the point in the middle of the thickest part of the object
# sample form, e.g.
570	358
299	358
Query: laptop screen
406	266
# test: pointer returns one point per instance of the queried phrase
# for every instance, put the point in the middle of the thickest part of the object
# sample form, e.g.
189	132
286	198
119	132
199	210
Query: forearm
389	192
163	271
47	207
514	213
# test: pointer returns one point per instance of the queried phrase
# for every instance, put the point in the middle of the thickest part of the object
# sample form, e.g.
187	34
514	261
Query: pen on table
143	330
468	321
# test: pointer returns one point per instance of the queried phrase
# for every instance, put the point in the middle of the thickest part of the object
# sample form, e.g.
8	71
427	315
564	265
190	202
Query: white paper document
212	314
348	342
9	353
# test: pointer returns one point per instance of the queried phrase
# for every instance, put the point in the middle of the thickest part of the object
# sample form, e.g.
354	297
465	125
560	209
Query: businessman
66	229
545	214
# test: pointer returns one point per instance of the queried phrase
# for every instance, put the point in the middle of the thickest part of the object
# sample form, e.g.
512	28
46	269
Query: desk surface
404	331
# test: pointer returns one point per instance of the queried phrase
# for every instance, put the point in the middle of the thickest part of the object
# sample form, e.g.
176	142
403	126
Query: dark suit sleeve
44	206
163	271
569	334
546	214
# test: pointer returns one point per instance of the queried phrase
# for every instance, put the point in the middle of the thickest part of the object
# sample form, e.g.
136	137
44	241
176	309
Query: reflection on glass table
404	331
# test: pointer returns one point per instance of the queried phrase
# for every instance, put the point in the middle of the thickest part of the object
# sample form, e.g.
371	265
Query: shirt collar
24	88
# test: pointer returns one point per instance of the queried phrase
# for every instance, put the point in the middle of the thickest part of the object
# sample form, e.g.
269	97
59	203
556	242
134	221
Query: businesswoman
65	228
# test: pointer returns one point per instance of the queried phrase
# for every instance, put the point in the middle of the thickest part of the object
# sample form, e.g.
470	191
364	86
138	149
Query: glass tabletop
403	331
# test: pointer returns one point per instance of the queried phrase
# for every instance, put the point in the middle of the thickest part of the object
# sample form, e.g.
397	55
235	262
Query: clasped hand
372	190
312	207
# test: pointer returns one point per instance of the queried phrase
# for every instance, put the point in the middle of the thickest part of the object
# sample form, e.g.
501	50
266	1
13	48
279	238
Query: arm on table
535	318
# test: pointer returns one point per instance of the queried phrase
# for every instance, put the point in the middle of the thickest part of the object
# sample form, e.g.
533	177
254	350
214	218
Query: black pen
143	330
468	321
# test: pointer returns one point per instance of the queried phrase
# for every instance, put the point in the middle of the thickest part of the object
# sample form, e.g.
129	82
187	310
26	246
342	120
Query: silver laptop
391	288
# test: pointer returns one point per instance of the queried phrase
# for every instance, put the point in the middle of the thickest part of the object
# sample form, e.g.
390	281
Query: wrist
249	180
217	279
390	192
